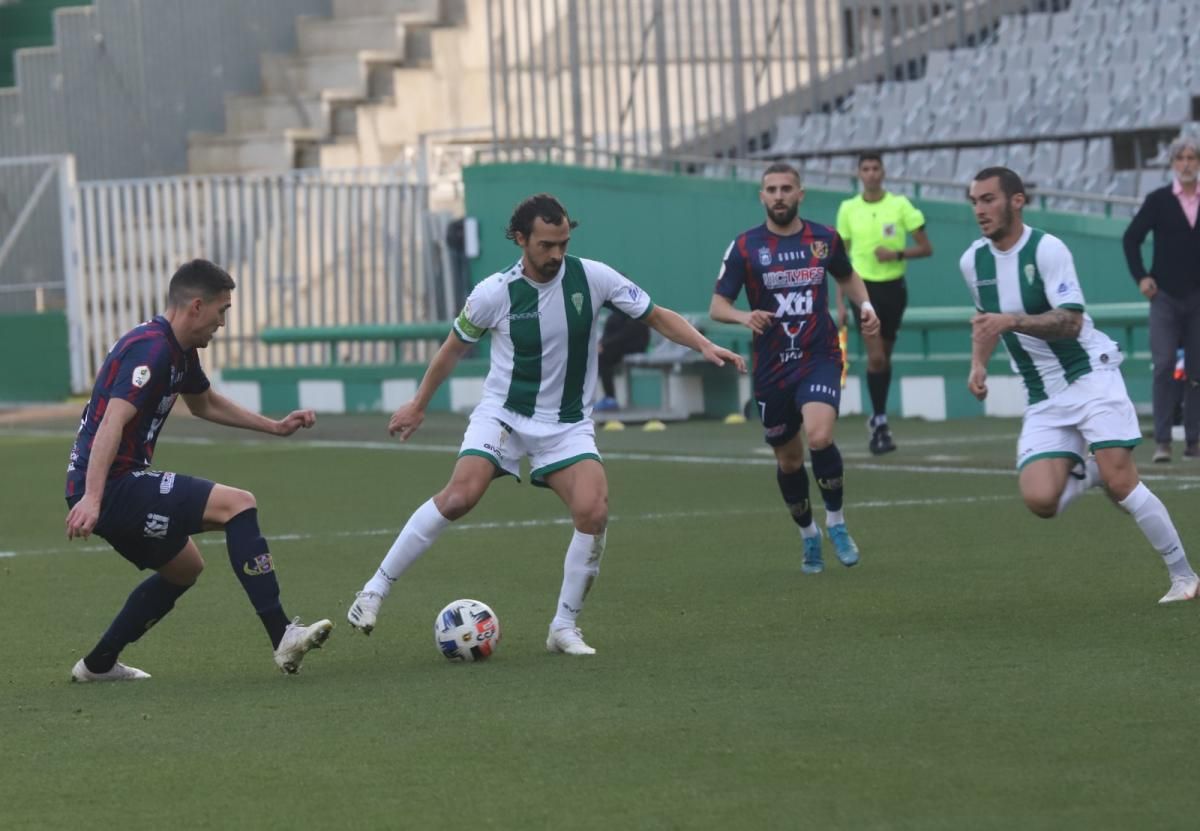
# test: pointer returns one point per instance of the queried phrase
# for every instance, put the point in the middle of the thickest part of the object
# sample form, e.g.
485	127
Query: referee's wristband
866	306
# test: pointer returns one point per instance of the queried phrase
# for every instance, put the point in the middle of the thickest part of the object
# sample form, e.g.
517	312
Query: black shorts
779	409
890	299
148	515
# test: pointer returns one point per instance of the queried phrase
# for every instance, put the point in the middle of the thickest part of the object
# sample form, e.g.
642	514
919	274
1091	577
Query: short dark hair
780	167
870	156
198	278
1010	182
539	205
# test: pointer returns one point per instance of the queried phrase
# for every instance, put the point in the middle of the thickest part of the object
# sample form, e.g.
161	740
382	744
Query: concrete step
254	152
325	36
375	8
363	74
273	113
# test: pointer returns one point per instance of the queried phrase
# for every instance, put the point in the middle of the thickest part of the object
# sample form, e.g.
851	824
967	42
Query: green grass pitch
981	669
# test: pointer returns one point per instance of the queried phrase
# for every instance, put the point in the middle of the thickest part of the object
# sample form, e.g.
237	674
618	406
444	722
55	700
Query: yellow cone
735	418
654	426
612	425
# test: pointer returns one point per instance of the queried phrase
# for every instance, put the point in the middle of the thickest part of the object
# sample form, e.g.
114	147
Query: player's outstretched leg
146	605
419	533
581	566
1152	518
829	472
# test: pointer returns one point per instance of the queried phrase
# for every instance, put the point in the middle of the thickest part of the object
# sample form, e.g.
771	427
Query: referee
875	226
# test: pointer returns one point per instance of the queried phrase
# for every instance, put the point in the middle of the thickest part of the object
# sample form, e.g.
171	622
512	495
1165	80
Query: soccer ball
466	630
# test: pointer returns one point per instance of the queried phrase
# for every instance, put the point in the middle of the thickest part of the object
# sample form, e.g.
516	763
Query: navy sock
794	487
146	606
251	560
827	468
878	384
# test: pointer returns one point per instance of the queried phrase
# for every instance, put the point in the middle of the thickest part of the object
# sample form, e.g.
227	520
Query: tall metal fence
35	197
702	77
314	248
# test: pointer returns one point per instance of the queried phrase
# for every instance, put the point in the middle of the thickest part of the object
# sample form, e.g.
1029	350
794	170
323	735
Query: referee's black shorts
890	299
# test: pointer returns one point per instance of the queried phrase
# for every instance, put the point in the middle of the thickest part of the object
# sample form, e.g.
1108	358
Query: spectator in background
875	225
622	336
1172	285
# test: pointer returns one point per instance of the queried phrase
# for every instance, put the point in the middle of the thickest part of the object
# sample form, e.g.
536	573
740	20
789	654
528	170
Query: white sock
810	530
422	529
1071	491
1091	479
1152	517
580	568
834	518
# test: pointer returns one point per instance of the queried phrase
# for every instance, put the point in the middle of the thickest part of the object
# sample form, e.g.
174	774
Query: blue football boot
843	544
813	562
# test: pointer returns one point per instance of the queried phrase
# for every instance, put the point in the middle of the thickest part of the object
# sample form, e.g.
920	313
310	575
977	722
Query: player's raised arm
673	326
83	517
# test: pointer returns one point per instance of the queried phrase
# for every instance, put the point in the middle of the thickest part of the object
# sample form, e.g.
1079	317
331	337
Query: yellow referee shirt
868	225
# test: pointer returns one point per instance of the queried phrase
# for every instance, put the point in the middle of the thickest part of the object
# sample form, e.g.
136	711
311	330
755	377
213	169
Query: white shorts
504	438
1093	413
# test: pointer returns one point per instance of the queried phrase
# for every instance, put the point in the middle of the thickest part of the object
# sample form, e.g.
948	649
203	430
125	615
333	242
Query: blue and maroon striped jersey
786	277
148	368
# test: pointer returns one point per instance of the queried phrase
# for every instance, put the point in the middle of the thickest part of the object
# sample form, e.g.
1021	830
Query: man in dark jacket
622	336
1172	285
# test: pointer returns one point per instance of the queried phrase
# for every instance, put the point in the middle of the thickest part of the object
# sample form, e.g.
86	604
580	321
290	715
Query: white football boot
119	672
297	640
364	611
568	641
1182	588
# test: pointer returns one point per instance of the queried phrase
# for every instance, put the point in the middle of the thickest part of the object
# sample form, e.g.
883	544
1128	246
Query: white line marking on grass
749	461
514	524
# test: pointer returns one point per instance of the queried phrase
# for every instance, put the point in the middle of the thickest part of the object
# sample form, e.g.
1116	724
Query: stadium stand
362	84
117	92
26	24
1062	95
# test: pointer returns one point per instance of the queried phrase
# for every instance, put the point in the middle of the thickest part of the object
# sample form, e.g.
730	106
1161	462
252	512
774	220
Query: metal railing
703	77
310	248
815	175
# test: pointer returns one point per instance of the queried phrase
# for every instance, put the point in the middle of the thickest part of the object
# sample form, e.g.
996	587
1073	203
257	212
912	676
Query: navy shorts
148	515
779	409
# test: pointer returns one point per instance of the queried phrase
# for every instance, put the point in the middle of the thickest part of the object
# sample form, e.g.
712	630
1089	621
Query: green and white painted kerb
697	390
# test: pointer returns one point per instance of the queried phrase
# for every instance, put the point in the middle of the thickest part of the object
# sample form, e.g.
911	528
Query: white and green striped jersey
543	338
1034	276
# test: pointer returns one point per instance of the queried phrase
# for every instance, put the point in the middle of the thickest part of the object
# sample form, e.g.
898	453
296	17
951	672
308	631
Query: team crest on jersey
820	249
1030	273
889	229
764	256
577	302
141	376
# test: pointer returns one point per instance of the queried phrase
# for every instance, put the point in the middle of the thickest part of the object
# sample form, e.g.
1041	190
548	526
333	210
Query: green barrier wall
34	362
668	233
